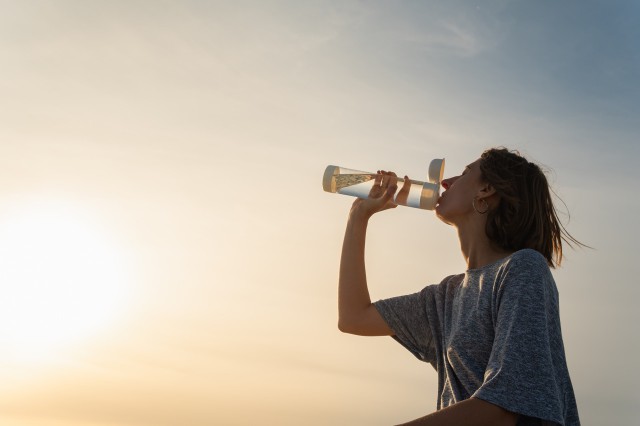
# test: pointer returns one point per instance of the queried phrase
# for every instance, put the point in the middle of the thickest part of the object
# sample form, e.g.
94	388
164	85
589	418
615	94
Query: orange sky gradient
169	256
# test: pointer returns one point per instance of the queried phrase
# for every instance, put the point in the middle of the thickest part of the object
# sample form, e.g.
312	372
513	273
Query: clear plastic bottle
422	195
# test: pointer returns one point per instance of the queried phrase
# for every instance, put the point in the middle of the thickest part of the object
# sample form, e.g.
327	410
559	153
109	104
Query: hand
403	195
380	196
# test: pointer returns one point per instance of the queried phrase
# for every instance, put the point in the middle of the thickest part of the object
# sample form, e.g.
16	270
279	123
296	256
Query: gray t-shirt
492	333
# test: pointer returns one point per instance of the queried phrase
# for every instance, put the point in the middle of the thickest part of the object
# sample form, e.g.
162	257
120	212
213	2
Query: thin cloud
449	37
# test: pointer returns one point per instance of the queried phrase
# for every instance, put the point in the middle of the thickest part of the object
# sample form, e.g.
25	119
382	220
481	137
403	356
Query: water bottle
421	195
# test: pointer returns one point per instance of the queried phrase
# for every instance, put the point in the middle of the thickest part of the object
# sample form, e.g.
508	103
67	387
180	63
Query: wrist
358	216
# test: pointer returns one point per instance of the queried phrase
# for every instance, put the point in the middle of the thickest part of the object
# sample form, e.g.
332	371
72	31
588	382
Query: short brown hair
525	216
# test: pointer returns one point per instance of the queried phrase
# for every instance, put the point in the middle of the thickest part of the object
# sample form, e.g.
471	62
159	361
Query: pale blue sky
194	134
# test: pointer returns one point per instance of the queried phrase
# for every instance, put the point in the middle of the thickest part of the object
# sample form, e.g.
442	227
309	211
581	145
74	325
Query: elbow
345	326
342	326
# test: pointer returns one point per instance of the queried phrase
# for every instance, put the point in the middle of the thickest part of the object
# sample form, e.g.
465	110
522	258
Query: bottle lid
436	170
328	182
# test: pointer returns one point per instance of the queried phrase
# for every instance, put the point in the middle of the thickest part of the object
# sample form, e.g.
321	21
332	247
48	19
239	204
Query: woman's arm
470	412
356	313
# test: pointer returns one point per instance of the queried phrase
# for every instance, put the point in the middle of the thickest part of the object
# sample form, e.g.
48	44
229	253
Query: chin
441	215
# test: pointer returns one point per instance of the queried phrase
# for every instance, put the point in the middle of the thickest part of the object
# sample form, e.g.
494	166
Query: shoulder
526	262
452	280
439	291
528	270
528	257
449	282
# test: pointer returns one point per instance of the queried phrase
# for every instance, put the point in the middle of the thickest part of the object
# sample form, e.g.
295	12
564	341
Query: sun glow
61	279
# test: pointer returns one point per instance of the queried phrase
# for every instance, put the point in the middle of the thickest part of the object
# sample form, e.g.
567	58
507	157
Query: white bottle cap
431	189
436	170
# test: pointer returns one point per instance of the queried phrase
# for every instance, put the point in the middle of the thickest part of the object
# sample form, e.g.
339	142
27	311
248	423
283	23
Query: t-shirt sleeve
526	370
408	317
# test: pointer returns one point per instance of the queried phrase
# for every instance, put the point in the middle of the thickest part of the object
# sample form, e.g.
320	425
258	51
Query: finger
393	179
403	194
388	179
385	181
376	190
389	193
406	185
378	178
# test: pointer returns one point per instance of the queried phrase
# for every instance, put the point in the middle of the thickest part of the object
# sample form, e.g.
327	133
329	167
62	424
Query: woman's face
455	203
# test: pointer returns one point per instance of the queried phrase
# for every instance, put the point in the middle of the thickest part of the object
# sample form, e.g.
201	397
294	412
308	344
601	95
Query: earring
473	203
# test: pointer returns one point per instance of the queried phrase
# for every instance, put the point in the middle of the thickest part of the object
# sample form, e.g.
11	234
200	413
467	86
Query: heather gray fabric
492	333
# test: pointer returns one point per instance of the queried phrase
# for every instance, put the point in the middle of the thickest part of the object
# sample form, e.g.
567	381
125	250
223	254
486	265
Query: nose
446	183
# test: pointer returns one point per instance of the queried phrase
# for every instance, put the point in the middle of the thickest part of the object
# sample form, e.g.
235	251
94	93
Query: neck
477	249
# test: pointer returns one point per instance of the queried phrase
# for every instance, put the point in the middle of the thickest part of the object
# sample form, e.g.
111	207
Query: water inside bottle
360	185
347	180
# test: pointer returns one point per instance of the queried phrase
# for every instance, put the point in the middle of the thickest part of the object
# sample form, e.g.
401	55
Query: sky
168	256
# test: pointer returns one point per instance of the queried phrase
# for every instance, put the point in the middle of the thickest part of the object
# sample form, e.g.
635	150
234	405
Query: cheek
444	213
453	206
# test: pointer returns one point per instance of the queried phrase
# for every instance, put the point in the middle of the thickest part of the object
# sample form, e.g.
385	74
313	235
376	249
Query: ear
486	191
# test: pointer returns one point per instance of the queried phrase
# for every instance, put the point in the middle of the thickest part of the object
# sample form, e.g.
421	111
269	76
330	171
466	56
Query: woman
493	332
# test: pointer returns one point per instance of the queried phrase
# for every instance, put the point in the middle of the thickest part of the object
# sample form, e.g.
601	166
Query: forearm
356	313
353	293
470	412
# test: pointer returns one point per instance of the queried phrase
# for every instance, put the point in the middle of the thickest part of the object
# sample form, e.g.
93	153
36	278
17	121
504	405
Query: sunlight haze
168	255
